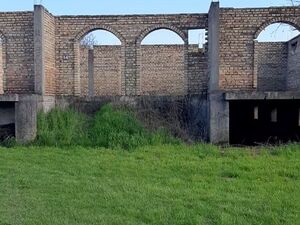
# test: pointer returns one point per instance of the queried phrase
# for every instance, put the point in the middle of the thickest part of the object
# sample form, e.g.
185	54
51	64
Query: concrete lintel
235	96
9	98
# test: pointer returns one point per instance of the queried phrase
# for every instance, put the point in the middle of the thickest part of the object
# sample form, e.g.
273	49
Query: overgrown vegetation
109	128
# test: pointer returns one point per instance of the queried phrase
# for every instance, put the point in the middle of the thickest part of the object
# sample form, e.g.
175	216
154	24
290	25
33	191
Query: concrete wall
271	65
293	75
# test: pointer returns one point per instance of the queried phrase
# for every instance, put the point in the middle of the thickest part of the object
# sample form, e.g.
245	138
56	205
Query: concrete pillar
218	119
39	51
218	107
26	118
214	46
91	73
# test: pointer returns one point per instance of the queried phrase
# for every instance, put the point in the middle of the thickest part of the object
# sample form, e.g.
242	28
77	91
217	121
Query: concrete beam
39	59
9	98
26	118
254	95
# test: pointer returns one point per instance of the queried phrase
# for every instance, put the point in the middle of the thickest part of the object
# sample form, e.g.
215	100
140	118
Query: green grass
159	185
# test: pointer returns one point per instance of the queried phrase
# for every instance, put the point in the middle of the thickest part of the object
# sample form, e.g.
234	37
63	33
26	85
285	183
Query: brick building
244	87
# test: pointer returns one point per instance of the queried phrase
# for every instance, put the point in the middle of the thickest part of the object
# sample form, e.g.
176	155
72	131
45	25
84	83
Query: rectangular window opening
274	115
198	37
256	112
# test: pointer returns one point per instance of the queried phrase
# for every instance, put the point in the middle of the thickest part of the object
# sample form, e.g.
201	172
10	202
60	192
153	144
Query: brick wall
197	70
293	76
271	65
84	71
107	71
129	29
49	44
17	28
1	69
162	70
238	29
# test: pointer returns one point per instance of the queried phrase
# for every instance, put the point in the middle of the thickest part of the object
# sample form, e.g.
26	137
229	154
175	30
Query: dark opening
246	128
7	132
7	120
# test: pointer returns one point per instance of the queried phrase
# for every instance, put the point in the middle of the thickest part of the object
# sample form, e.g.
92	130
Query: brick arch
92	28
147	31
288	21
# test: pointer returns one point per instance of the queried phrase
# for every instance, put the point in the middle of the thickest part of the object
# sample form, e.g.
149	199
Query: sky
113	7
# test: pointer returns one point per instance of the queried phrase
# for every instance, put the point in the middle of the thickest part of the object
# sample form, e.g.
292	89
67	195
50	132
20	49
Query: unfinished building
249	91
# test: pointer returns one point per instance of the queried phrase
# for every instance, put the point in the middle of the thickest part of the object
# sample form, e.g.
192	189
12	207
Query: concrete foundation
26	118
218	119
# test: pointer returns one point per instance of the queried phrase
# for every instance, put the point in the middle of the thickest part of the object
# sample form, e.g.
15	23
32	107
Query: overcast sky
106	7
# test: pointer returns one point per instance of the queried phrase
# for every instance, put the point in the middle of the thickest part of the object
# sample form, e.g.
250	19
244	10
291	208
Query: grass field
159	185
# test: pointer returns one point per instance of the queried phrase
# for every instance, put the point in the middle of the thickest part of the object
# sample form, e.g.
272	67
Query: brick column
1	70
91	72
186	64
130	84
77	90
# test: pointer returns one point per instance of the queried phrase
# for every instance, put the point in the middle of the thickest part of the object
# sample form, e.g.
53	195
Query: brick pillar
91	72
77	90
130	74
186	64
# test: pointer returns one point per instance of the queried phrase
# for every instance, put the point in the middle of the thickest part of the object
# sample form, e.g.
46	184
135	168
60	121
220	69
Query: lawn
159	185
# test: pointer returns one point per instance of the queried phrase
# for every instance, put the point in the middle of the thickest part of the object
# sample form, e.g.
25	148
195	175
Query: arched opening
276	57
162	63
162	37
100	64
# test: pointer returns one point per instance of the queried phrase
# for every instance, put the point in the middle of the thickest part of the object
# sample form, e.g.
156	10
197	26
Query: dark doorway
7	120
261	122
